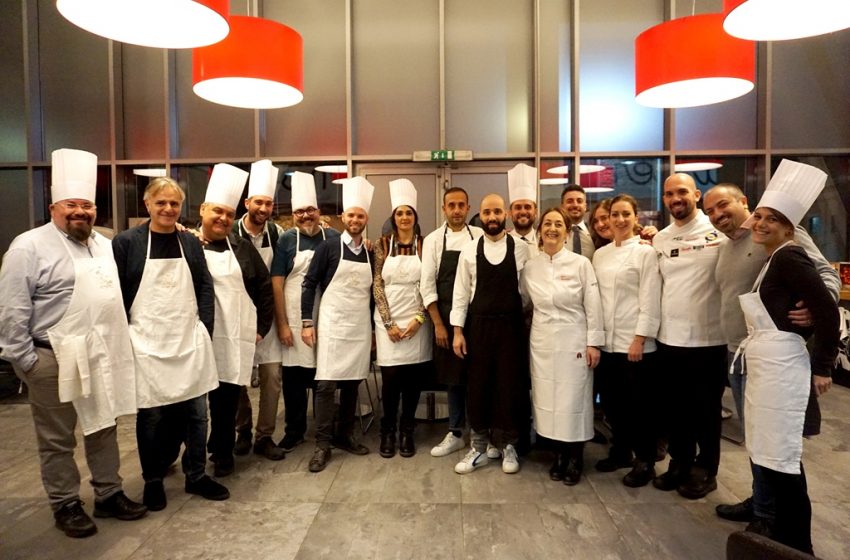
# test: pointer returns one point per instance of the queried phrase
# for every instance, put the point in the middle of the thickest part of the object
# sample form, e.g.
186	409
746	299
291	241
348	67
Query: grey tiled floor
369	507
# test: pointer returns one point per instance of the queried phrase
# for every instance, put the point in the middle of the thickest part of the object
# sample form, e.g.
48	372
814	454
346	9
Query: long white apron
235	331
92	345
778	384
299	354
344	327
171	346
268	350
401	275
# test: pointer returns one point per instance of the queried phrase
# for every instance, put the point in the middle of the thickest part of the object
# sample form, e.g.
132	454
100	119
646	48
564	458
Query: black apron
497	349
451	370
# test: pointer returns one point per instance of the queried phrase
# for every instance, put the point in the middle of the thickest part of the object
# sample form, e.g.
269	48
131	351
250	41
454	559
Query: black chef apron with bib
451	370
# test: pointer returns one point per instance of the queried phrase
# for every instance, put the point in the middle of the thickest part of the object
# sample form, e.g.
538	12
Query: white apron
778	384
267	350
401	275
171	346
235	331
91	343
344	326
299	354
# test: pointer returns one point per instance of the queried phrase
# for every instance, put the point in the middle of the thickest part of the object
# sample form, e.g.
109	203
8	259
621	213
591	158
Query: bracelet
388	325
420	318
306	324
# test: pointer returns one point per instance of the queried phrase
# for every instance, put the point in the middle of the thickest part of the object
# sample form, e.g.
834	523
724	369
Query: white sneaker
510	462
449	445
471	461
493	452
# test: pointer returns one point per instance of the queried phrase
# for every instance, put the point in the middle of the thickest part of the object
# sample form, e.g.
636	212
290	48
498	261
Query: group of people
169	323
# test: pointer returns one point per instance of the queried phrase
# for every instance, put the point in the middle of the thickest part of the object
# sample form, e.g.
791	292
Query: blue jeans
764	502
161	430
457	407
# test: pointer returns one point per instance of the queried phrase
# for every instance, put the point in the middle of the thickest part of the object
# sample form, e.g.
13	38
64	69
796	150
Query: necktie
576	240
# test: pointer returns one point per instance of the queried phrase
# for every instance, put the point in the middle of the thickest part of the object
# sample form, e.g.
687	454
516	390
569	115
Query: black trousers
402	383
325	410
629	392
296	381
224	400
693	381
793	522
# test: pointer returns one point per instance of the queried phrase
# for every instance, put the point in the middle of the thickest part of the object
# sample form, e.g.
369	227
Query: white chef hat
226	185
263	179
357	192
792	190
303	191
522	183
74	175
402	193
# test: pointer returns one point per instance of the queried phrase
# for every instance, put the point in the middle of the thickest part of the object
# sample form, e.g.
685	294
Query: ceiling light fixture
152	172
779	20
582	169
688	166
333	168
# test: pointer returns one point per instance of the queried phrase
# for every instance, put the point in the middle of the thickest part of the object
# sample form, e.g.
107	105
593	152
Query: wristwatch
306	324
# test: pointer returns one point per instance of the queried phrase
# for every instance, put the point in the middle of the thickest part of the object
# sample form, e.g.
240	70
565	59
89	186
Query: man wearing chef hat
342	333
522	190
244	307
63	329
257	227
295	251
691	342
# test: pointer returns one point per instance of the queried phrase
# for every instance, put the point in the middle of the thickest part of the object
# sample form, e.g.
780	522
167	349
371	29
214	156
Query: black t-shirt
164	246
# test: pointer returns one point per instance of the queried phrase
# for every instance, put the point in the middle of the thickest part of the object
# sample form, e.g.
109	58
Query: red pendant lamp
691	61
778	20
170	24
259	65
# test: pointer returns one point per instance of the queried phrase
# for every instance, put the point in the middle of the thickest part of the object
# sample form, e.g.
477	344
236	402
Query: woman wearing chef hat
779	367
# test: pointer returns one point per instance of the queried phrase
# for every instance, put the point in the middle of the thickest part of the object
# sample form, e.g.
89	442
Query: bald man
691	342
489	335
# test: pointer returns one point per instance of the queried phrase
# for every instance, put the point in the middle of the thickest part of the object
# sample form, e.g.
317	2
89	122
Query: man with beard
738	266
522	188
574	205
440	252
295	251
62	308
257	227
342	270
691	343
489	333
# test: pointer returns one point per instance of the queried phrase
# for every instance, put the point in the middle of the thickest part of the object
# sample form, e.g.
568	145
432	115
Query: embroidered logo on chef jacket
352	281
167	281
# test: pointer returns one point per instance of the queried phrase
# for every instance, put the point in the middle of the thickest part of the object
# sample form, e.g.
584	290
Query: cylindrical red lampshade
171	24
691	61
778	20
259	65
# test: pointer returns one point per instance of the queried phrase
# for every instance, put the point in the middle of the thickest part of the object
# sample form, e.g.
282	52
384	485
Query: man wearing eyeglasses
63	329
291	261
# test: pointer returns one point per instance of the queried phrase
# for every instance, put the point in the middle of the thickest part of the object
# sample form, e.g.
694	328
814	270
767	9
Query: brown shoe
321	458
266	447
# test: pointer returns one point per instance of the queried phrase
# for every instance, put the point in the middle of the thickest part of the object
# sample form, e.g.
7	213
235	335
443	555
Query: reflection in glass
13	214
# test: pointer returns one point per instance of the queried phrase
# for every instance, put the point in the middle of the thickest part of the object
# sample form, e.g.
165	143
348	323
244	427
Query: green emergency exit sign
442	155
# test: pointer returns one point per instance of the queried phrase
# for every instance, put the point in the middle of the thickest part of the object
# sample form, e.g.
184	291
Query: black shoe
406	447
613	462
288	443
572	474
120	507
224	466
742	511
207	488
640	475
670	480
266	447
698	485
154	496
321	458
558	468
387	448
763	527
243	443
598	437
351	445
73	521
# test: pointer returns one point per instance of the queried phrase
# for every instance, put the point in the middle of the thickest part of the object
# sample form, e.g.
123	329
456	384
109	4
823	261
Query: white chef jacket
690	298
464	290
432	255
630	287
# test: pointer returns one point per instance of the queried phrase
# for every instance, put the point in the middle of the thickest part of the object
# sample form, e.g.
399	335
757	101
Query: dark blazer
130	249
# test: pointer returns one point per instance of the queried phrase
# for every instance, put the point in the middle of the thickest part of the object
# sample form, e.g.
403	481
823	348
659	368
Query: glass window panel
316	126
14	212
811	79
555	76
205	129
13	125
637	177
74	78
489	75
745	172
731	125
395	86
142	91
609	117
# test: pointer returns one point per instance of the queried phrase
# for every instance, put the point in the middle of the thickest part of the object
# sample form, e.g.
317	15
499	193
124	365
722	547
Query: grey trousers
54	430
270	382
